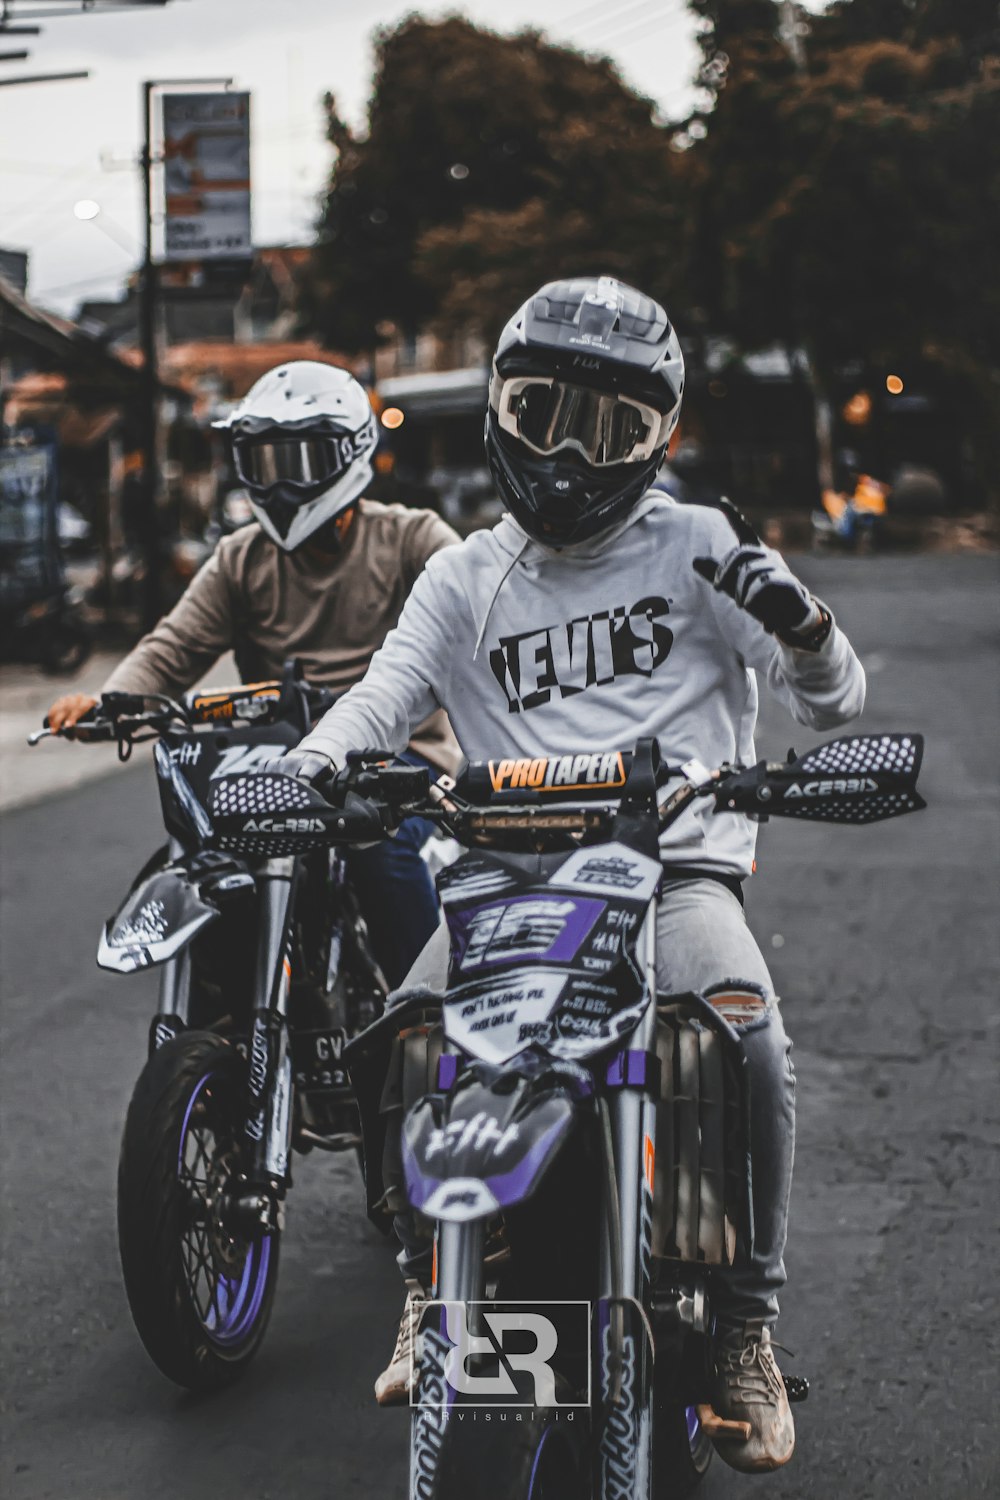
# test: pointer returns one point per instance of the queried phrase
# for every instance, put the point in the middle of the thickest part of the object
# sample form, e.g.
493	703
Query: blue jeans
396	893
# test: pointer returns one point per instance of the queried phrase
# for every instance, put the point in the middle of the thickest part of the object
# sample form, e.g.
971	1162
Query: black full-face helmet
584	394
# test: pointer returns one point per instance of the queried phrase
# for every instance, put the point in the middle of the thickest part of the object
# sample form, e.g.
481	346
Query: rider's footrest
719	1427
796	1387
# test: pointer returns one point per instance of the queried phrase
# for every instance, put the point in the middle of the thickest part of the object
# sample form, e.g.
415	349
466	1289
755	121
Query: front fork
457	1278
623	1353
268	1120
269	1082
175	987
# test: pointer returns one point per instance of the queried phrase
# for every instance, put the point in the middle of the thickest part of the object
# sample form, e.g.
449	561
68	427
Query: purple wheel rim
693	1426
229	1305
538	1459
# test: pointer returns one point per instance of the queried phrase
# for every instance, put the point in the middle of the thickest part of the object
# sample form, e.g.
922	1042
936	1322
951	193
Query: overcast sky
62	142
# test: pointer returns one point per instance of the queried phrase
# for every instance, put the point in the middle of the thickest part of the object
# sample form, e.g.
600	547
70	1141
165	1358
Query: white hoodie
538	652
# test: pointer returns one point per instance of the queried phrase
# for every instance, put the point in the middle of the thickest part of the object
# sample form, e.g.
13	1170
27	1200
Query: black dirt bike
576	1142
266	973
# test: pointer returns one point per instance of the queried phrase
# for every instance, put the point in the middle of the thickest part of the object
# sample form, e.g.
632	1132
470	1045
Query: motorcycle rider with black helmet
596	612
322	576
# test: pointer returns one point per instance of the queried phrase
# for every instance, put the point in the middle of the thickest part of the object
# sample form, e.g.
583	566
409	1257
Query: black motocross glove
362	816
758	579
307	765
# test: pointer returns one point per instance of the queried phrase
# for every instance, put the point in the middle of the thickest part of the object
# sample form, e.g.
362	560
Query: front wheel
682	1450
199	1286
514	1453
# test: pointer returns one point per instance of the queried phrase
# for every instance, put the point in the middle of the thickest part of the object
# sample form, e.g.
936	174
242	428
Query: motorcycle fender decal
116	951
158	918
458	1201
491	1147
515	1185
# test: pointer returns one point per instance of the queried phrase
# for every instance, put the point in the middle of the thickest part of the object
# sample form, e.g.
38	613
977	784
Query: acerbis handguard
862	778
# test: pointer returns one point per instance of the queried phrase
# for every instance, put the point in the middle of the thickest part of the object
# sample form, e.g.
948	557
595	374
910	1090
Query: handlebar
124	717
860	779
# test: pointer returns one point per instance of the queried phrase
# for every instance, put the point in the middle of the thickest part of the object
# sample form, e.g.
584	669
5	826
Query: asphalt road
884	944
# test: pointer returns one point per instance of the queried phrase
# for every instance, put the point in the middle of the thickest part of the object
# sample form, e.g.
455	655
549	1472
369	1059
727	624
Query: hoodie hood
512	537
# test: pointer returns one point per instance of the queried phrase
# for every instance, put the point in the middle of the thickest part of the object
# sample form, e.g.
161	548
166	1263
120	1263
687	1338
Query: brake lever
94	733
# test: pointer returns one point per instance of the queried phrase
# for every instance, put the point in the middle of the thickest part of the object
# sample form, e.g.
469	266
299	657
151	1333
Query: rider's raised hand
759	580
67	711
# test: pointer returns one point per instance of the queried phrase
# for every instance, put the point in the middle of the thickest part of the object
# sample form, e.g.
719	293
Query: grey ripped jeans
702	939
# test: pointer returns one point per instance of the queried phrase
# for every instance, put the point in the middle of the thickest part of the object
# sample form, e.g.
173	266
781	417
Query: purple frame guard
633	1070
447	1072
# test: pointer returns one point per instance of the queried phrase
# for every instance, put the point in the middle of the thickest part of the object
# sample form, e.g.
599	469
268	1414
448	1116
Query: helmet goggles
550	416
305	462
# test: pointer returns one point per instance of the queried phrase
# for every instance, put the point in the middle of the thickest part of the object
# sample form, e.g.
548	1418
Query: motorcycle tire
682	1451
541	1457
200	1291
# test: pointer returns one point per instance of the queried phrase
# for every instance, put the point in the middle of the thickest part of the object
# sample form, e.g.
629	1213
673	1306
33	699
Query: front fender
487	1144
165	909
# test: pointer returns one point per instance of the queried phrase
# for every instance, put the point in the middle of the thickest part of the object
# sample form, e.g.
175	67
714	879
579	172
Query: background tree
837	189
848	204
487	157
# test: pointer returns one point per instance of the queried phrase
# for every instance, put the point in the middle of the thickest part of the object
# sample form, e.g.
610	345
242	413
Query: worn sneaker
749	1389
393	1386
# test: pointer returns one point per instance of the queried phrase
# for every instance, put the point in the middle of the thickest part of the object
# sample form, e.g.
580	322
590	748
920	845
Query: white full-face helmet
302	440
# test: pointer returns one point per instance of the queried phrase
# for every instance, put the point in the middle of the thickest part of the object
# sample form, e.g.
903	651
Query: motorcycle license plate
317	1061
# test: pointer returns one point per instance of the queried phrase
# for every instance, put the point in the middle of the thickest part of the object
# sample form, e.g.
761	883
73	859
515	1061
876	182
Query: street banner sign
206	174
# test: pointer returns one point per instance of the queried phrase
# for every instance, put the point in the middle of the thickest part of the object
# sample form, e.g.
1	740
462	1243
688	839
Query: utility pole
788	30
149	539
149	517
790	33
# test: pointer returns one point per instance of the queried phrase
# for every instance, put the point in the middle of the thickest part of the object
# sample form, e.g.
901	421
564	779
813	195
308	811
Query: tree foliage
850	202
490	163
837	188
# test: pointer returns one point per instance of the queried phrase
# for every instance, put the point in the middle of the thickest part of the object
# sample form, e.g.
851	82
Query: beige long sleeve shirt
267	605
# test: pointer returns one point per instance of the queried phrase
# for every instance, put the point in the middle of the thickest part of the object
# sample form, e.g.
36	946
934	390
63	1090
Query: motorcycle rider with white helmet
599	611
322	575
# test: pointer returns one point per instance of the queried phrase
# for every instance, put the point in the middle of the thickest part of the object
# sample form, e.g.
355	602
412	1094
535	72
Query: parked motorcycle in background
575	1142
